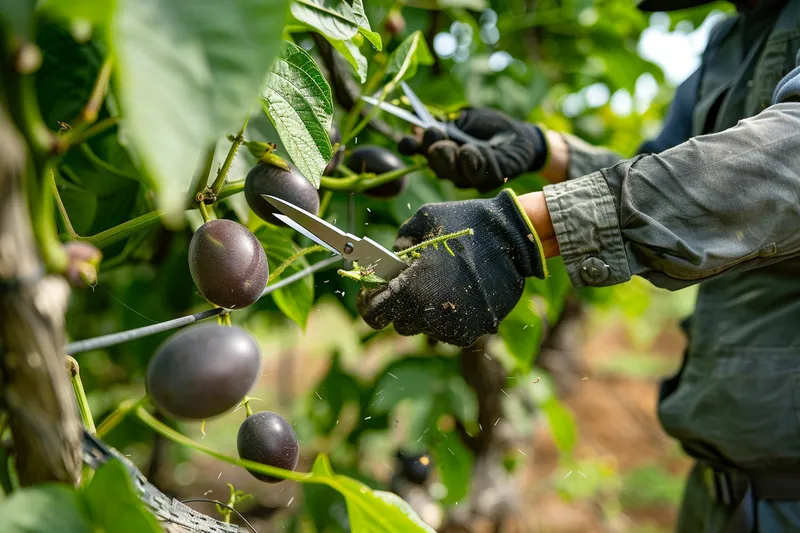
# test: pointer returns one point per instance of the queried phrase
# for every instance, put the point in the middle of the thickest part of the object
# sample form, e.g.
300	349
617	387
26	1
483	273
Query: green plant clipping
297	100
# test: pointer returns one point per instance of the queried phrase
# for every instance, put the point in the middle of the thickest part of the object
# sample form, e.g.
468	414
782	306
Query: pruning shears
423	118
363	250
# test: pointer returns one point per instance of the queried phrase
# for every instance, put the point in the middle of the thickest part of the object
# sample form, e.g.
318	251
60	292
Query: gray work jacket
721	207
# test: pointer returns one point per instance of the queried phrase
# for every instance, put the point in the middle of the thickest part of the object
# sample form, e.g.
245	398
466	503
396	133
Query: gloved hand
517	147
458	299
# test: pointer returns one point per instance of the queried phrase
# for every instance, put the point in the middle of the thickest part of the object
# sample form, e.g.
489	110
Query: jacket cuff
583	158
586	225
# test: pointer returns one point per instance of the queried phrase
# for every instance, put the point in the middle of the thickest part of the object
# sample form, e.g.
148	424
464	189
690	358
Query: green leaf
352	54
44	509
562	424
462	399
412	52
333	393
364	27
322	466
297	99
95	11
332	18
294	300
113	504
454	462
414	377
186	73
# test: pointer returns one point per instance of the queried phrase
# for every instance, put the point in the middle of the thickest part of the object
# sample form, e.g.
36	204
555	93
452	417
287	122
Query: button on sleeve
588	233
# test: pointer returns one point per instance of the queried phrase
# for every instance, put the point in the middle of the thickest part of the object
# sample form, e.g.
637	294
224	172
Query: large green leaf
294	300
44	509
369	511
113	505
298	101
412	52
562	424
363	25
188	72
332	18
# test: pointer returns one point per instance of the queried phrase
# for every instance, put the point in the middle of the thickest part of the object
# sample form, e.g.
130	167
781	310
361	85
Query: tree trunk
34	384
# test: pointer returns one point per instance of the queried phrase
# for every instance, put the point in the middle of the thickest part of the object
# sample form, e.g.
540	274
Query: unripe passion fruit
336	137
290	186
377	160
267	438
228	264
203	371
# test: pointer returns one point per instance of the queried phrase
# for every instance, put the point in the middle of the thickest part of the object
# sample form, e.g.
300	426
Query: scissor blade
300	229
322	230
399	112
419	108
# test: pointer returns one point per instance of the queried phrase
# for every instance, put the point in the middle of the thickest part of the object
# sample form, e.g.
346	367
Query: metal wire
112	339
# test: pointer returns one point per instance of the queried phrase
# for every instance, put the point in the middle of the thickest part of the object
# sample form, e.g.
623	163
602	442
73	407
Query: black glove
458	299
516	147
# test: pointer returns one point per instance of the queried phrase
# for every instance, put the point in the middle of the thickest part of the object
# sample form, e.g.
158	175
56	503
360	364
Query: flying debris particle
409	206
395	377
369	210
451	451
318	396
525	326
290	501
368	418
326	281
584	378
206	493
523	453
581	473
219	475
496	421
568	474
486	355
537	380
480	427
366	223
504	392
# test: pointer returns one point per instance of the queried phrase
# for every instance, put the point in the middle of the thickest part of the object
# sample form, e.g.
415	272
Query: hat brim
670	5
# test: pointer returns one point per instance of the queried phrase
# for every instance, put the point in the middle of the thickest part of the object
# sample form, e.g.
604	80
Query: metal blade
367	252
300	229
392	109
419	108
322	230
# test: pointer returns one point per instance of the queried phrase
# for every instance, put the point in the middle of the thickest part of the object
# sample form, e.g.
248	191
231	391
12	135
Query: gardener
718	203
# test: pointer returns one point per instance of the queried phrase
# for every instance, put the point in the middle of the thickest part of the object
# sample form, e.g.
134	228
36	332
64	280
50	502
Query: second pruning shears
423	118
363	250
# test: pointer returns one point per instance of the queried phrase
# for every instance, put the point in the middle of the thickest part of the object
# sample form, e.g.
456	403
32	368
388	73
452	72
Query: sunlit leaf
332	18
353	55
44	509
113	504
411	53
298	101
363	25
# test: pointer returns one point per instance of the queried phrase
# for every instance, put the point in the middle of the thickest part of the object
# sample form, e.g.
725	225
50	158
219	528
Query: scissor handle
452	131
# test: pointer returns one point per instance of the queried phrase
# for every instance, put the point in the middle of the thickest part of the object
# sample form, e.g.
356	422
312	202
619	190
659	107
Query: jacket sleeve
717	203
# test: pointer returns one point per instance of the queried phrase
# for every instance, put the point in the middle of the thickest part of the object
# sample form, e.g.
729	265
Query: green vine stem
126	229
216	187
362	182
324	202
76	138
119	414
179	438
286	264
92	108
203	211
61	211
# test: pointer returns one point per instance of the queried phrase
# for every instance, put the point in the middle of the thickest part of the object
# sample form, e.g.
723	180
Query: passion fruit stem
362	182
61	210
203	211
219	181
286	264
183	440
